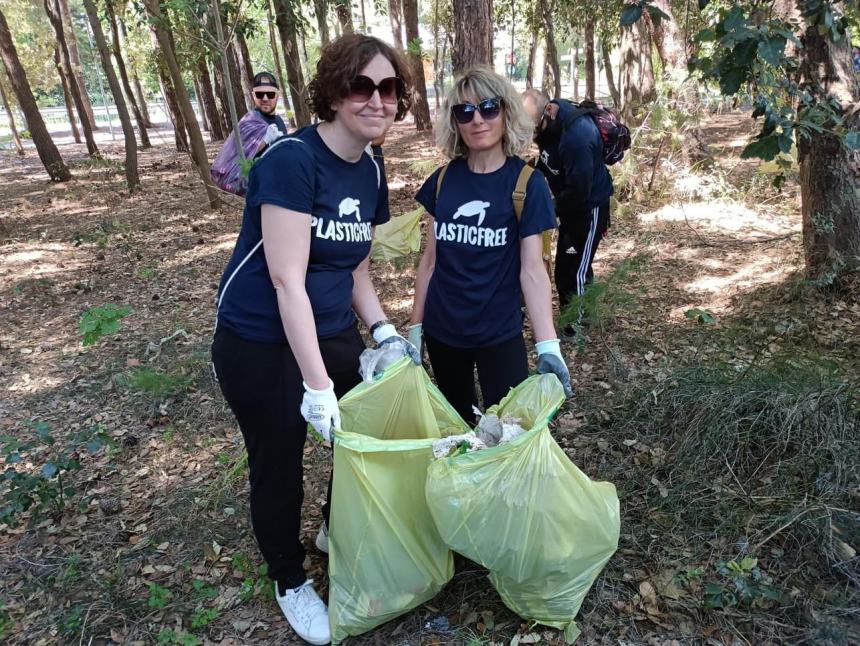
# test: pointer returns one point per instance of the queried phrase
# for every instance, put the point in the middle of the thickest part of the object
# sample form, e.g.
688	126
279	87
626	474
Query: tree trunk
239	94
220	87
574	72
530	68
198	95
473	34
437	90
210	108
321	11
123	75
343	9
395	16
45	146
67	97
420	107
131	176
363	18
171	104
53	10
610	77
75	58
551	52
829	171
246	71
276	55
637	70
668	40
286	21
590	77
19	148
198	148
138	89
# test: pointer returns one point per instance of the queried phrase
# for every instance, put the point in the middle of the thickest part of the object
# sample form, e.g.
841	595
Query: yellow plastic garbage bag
398	237
385	555
524	511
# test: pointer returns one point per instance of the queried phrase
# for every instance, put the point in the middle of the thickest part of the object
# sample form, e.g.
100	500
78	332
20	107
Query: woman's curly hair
341	61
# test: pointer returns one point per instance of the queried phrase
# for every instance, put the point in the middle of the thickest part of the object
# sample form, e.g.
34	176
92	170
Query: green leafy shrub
102	320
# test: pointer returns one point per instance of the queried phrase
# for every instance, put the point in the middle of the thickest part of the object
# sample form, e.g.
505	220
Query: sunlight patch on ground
726	216
46	259
752	274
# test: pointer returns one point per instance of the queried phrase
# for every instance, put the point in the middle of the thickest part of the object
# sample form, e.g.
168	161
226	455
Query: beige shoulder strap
520	190
439	179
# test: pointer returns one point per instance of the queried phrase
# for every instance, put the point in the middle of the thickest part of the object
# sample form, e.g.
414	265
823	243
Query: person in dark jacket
571	159
265	89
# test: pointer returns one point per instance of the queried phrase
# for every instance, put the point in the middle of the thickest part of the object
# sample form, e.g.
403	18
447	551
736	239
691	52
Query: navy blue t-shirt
345	200
474	295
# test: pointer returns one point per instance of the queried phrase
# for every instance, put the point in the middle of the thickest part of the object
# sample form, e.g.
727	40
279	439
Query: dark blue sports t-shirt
345	200
474	295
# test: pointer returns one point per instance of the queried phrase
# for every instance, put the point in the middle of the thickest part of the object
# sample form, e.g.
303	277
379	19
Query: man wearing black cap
265	89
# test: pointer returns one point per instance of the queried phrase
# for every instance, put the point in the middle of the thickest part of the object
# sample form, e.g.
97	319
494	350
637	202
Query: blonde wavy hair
480	83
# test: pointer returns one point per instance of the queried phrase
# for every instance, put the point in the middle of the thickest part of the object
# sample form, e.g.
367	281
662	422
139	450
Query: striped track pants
579	235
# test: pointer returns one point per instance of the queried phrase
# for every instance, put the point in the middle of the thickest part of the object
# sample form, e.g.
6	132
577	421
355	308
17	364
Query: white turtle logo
475	207
348	206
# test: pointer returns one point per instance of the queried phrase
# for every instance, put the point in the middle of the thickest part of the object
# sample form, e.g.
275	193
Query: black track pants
579	234
500	368
263	387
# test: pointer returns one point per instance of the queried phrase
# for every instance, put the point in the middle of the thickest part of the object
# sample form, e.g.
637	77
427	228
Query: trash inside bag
385	555
398	237
527	513
374	361
226	170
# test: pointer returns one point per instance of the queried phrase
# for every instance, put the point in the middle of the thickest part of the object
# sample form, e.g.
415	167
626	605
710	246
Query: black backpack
615	135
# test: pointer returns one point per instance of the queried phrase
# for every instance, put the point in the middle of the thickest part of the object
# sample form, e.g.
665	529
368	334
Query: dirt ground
153	543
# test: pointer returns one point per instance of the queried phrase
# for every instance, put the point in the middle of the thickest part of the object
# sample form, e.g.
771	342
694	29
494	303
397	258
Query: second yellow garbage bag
385	555
398	237
527	513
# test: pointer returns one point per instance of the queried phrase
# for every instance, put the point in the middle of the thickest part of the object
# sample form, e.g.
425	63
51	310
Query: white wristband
383	332
552	346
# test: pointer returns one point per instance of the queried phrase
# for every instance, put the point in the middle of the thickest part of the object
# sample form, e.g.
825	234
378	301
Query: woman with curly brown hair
286	341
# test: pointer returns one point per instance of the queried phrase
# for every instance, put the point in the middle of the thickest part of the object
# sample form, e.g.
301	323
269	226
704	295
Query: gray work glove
550	361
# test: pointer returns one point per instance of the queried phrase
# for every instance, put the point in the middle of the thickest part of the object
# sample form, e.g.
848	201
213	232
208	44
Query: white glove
388	334
272	133
319	408
416	336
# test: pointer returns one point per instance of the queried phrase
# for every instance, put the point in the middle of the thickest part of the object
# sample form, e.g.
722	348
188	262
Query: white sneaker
306	613
322	538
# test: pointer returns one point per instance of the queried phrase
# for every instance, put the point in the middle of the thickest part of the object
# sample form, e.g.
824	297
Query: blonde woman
481	260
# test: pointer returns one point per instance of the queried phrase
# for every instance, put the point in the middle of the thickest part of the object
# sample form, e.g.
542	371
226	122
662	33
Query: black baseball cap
264	78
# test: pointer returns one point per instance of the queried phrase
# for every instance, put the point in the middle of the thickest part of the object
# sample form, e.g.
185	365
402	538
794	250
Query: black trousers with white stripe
579	234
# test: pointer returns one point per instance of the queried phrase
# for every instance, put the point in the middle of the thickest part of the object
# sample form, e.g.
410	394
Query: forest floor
729	535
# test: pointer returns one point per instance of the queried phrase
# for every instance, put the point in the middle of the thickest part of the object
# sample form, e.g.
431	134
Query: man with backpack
575	143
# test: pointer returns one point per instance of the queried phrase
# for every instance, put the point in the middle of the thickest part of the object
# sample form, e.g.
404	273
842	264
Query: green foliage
203	617
159	596
157	385
421	168
37	466
601	299
705	317
178	638
100	321
413	47
5	622
743	52
245	166
743	584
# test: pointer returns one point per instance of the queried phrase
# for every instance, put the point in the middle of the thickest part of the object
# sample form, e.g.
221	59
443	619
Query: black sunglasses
465	112
361	89
265	95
